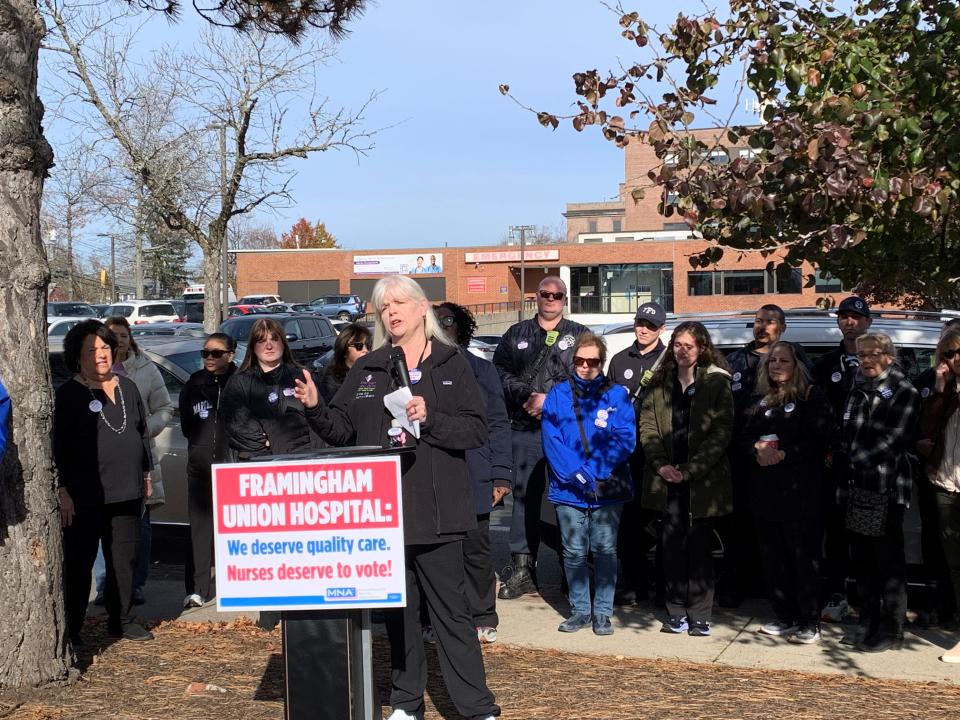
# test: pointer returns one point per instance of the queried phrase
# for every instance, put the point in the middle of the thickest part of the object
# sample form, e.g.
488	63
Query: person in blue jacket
589	430
491	470
4	419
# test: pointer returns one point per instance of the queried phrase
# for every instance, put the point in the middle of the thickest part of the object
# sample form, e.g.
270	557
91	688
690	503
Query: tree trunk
33	645
212	282
71	280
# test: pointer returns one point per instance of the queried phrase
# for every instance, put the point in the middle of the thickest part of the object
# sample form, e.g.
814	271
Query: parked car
309	336
59	327
138	312
282	307
176	358
240	310
492	340
259	299
70	309
100	308
182	329
482	349
342	307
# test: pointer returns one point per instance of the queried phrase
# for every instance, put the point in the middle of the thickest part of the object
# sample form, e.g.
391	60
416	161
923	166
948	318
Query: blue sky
456	162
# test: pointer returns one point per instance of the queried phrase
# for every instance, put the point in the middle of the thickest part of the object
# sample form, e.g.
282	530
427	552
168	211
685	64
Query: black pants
633	540
199	560
933	546
480	580
117	526
435	575
740	575
881	569
790	553
836	539
529	485
687	548
948	506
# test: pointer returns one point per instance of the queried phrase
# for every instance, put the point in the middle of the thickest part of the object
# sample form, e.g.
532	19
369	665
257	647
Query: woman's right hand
306	390
670	474
943	374
67	510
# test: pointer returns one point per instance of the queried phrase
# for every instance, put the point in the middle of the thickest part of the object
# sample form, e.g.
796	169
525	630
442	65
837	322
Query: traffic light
103	277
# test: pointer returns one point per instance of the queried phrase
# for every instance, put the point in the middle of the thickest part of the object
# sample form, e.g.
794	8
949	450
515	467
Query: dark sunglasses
547	295
215	354
447	320
949	354
589	362
359	346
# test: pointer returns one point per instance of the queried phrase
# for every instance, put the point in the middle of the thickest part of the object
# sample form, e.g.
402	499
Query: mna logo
341	593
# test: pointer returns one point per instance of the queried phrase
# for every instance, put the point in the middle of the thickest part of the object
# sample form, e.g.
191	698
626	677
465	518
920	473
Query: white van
197	292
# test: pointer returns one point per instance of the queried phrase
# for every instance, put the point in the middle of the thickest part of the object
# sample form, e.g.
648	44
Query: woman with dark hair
129	361
352	343
102	451
685	426
202	425
785	434
261	412
589	431
491	470
437	513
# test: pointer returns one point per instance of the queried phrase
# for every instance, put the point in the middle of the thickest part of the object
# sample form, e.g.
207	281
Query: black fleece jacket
200	417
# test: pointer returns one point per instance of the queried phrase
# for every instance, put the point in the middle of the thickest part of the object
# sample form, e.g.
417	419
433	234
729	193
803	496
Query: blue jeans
143	557
584	531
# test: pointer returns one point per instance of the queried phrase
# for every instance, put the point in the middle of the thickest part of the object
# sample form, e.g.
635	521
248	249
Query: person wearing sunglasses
939	445
202	426
533	355
352	343
879	421
686	425
589	431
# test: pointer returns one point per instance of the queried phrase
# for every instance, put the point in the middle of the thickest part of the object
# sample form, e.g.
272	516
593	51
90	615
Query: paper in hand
396	403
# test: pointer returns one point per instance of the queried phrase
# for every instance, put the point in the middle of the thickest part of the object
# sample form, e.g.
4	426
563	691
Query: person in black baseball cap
834	373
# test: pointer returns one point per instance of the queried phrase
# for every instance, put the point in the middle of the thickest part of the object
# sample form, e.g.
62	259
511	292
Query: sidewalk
532	622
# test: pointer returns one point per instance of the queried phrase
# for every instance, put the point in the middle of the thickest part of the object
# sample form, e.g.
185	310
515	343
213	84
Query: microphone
398	367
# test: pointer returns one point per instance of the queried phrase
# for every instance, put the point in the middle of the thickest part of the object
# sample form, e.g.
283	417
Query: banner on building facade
428	263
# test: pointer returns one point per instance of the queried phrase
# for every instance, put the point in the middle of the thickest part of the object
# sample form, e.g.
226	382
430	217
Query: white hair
410	289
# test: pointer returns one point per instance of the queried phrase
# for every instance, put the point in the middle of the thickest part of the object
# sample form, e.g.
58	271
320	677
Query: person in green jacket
685	427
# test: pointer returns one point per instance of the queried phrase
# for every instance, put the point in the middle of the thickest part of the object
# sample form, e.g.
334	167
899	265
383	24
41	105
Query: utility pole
113	265
224	265
522	229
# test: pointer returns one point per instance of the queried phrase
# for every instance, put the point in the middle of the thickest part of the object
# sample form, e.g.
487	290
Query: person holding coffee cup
786	432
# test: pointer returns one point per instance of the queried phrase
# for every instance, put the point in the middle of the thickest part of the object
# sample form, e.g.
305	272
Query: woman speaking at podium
412	350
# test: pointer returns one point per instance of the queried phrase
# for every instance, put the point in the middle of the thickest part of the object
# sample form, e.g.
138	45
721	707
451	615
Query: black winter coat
200	417
261	414
491	464
438	499
791	488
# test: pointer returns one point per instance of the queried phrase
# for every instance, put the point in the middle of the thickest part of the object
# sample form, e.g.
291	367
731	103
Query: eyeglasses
447	320
547	295
359	346
875	355
588	362
215	354
950	354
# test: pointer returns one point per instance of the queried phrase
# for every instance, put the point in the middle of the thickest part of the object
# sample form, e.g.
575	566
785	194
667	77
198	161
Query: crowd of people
802	471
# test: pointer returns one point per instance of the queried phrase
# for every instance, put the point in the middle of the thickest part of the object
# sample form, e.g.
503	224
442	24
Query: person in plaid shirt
879	418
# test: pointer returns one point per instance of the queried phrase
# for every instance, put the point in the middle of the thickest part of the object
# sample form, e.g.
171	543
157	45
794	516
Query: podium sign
323	533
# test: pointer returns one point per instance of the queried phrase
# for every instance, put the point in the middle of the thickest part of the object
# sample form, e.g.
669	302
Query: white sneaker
836	609
777	628
486	634
192	601
399	714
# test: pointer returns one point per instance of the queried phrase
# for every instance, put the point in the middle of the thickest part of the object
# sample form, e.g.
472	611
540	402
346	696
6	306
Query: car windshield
70	310
189	361
121	310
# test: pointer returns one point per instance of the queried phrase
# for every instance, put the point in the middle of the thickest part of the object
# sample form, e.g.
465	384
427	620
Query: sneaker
577	621
429	635
99	600
836	609
675	624
486	634
777	628
807	635
138	598
855	636
131	631
882	641
699	628
192	601
602	625
399	714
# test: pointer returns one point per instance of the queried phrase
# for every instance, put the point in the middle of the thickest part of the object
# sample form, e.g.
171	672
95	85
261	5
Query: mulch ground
233	672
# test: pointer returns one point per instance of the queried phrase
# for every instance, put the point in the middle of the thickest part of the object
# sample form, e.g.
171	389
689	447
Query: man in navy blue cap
835	373
633	368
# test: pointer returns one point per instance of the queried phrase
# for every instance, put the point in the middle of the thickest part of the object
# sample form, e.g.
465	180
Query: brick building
617	255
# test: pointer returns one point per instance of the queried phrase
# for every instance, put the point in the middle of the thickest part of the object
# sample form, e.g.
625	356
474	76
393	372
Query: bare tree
209	134
33	646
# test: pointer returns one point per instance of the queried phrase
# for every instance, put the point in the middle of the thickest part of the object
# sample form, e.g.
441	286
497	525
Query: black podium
328	654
